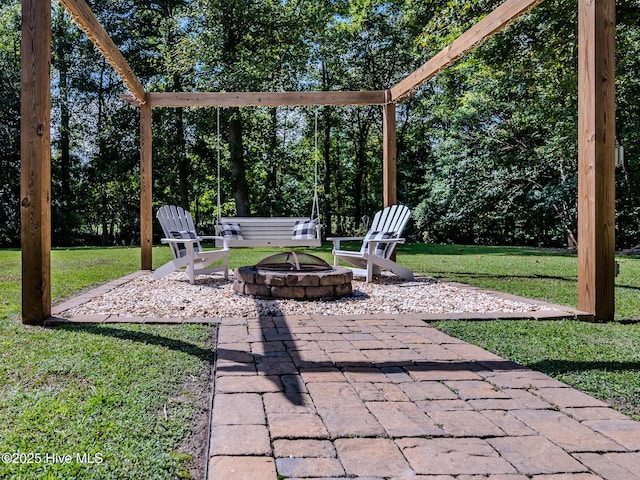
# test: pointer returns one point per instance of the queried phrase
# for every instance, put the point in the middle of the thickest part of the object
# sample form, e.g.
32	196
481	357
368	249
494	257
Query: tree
10	123
504	149
253	46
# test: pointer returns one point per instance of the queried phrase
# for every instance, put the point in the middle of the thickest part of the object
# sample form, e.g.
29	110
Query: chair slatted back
391	219
176	219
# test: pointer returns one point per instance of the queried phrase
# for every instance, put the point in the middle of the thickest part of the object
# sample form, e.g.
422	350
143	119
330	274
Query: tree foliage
487	150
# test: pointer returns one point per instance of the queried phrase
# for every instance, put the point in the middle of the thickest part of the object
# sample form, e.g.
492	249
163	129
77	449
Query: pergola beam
262	99
89	24
493	23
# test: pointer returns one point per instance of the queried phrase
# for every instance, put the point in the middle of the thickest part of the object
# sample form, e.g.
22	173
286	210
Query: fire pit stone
315	283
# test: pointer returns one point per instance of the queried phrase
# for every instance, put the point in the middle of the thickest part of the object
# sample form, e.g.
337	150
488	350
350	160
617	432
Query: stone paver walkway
393	398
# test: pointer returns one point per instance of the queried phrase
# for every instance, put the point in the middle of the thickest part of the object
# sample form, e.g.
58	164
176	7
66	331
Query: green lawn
119	399
124	396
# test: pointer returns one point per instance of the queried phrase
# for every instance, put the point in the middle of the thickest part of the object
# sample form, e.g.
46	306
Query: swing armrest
224	240
211	237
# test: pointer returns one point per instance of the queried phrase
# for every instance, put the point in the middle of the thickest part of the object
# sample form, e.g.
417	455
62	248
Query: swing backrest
269	232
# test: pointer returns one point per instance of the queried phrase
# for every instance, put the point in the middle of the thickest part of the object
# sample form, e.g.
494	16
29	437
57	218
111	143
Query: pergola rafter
89	24
495	22
596	136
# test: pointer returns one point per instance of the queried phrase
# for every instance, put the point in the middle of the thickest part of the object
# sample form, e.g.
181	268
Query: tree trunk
238	170
102	149
180	139
361	162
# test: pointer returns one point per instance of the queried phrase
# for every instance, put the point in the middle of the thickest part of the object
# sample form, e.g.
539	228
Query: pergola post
146	188
389	152
35	161
596	163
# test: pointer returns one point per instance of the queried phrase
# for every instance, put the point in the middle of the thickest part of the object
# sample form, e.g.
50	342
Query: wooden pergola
596	132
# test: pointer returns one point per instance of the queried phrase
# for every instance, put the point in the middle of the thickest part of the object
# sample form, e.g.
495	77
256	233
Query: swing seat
268	232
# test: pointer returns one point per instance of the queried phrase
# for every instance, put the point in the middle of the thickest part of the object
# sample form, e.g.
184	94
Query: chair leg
191	271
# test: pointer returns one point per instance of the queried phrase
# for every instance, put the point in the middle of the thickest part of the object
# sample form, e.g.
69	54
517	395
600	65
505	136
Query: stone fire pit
293	275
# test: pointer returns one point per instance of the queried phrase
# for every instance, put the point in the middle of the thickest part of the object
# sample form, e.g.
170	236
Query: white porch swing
271	231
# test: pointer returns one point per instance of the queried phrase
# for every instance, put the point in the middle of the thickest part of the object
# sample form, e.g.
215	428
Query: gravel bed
213	297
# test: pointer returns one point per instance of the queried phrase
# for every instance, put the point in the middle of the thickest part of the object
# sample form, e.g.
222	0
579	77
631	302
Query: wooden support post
389	152
596	164
146	186
35	159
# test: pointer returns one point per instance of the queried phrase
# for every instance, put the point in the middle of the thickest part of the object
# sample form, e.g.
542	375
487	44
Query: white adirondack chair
378	245
180	234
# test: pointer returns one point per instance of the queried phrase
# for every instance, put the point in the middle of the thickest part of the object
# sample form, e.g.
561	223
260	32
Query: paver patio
384	397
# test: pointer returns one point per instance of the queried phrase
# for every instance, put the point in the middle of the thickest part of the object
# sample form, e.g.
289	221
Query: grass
118	399
127	394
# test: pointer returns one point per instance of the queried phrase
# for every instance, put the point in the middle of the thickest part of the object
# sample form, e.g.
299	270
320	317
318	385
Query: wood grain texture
264	99
35	161
389	154
86	20
596	158
146	188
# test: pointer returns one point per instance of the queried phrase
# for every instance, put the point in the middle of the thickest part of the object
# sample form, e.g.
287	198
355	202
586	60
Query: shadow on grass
435	249
203	354
571	279
271	364
497	276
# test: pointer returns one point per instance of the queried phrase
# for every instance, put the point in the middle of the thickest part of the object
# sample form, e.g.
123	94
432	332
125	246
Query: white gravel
212	297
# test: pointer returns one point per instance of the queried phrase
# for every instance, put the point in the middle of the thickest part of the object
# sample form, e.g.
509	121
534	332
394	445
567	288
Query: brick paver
453	456
375	397
358	457
242	468
240	440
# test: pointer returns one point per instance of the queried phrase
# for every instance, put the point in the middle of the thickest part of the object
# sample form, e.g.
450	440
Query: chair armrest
372	244
211	237
346	239
336	240
387	240
192	241
179	240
